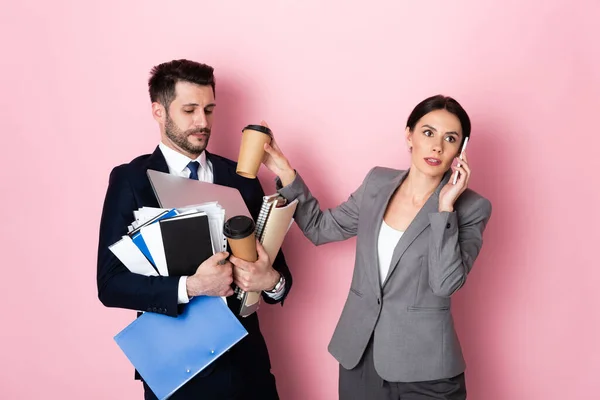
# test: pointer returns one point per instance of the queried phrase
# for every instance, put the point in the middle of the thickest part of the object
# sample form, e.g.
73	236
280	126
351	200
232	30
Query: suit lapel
377	208
156	162
418	225
221	171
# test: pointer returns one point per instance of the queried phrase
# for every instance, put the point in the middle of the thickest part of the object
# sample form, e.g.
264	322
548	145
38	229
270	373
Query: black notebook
186	242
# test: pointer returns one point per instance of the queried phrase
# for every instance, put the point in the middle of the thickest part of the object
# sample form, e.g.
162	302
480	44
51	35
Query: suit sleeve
455	243
117	286
327	226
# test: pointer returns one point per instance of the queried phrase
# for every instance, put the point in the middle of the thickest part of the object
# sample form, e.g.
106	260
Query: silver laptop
176	192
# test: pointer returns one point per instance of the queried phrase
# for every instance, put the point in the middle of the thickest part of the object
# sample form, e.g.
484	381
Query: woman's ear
408	136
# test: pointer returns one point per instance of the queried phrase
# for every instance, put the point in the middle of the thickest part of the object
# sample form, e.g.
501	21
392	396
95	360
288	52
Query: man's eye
208	112
188	111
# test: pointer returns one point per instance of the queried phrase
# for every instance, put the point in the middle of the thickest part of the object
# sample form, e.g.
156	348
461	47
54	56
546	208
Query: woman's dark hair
440	102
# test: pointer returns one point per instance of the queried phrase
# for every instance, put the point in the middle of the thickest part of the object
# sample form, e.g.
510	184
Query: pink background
336	81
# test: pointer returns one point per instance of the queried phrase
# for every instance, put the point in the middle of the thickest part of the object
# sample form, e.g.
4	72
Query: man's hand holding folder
212	278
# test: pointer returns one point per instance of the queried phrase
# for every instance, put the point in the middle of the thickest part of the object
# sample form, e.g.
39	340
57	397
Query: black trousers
227	379
363	383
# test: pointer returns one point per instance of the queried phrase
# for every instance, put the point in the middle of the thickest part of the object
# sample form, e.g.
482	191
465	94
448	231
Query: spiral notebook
274	220
272	224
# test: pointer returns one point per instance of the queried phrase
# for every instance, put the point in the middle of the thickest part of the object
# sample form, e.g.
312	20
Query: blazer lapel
156	162
221	171
418	225
378	207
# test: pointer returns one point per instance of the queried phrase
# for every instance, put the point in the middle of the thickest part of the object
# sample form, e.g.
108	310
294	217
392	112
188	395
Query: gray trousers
363	383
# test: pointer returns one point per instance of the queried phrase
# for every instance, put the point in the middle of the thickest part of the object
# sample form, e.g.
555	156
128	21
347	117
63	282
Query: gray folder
177	192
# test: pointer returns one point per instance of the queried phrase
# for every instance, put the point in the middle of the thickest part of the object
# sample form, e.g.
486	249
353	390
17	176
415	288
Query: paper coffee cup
252	149
239	231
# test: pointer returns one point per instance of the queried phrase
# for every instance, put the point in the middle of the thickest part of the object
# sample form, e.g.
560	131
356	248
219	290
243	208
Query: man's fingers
218	257
242	284
239	263
262	253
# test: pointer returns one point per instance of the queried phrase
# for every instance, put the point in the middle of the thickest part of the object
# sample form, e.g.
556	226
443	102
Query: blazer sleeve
117	286
332	225
455	243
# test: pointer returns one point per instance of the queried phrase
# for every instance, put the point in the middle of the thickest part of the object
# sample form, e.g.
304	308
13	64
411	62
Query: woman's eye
451	139
428	133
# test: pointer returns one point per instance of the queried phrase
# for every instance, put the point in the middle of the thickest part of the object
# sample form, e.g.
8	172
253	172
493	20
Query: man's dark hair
163	78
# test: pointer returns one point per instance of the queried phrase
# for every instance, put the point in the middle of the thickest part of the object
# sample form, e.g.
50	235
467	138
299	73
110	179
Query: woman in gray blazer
418	235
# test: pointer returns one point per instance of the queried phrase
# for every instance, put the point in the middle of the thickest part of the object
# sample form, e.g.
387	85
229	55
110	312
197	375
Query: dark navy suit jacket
130	189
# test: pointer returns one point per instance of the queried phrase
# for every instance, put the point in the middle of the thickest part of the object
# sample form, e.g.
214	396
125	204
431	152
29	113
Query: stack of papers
172	242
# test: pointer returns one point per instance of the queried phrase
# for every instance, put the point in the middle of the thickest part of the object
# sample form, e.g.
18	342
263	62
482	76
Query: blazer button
154	309
448	226
149	309
378	301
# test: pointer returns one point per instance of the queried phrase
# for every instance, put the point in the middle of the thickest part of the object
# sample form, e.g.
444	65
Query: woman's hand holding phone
458	182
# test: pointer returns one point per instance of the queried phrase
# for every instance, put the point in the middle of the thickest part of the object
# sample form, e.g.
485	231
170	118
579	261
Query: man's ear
158	112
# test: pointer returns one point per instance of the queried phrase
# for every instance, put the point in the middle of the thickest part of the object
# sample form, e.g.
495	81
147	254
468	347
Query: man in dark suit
183	100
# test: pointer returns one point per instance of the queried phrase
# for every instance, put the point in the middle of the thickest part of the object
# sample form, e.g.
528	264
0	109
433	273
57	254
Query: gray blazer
409	314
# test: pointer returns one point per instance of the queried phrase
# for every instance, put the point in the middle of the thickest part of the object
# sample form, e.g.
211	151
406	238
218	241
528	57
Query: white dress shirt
178	165
386	243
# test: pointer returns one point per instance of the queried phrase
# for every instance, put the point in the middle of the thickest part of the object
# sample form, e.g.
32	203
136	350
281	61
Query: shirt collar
177	162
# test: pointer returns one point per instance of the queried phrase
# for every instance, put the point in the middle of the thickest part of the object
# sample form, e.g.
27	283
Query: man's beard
180	138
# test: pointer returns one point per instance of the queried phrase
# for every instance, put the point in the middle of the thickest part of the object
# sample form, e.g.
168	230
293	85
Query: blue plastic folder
138	239
168	351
